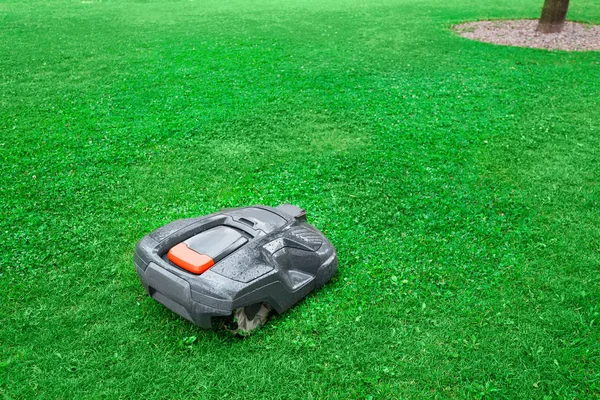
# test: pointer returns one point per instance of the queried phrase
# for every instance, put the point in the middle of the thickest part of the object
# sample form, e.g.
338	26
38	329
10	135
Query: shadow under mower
236	265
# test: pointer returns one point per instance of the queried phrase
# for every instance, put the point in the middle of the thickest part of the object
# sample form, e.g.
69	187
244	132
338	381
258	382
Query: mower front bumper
175	294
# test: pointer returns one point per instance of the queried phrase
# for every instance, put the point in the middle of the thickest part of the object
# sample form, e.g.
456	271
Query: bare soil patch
575	36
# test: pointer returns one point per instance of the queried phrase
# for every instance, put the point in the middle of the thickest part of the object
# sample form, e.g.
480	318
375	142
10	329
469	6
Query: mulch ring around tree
575	36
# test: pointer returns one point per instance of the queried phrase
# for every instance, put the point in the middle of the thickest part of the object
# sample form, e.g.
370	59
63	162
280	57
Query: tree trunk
553	16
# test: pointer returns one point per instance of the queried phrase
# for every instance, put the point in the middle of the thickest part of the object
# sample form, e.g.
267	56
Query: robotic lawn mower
236	265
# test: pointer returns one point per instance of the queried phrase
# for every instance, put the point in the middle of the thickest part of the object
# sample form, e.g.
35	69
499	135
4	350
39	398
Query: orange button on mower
186	258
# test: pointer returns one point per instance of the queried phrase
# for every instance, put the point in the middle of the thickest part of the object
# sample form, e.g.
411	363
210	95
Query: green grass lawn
458	180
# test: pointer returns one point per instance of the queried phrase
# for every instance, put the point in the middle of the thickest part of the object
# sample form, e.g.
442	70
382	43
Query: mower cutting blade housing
208	267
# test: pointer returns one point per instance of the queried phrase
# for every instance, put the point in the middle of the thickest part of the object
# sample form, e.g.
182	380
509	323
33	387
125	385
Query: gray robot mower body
238	262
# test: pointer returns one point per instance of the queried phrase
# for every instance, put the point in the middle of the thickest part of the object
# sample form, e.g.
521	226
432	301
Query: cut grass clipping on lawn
457	179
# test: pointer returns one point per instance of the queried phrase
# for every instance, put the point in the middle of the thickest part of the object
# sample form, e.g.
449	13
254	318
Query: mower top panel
203	250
